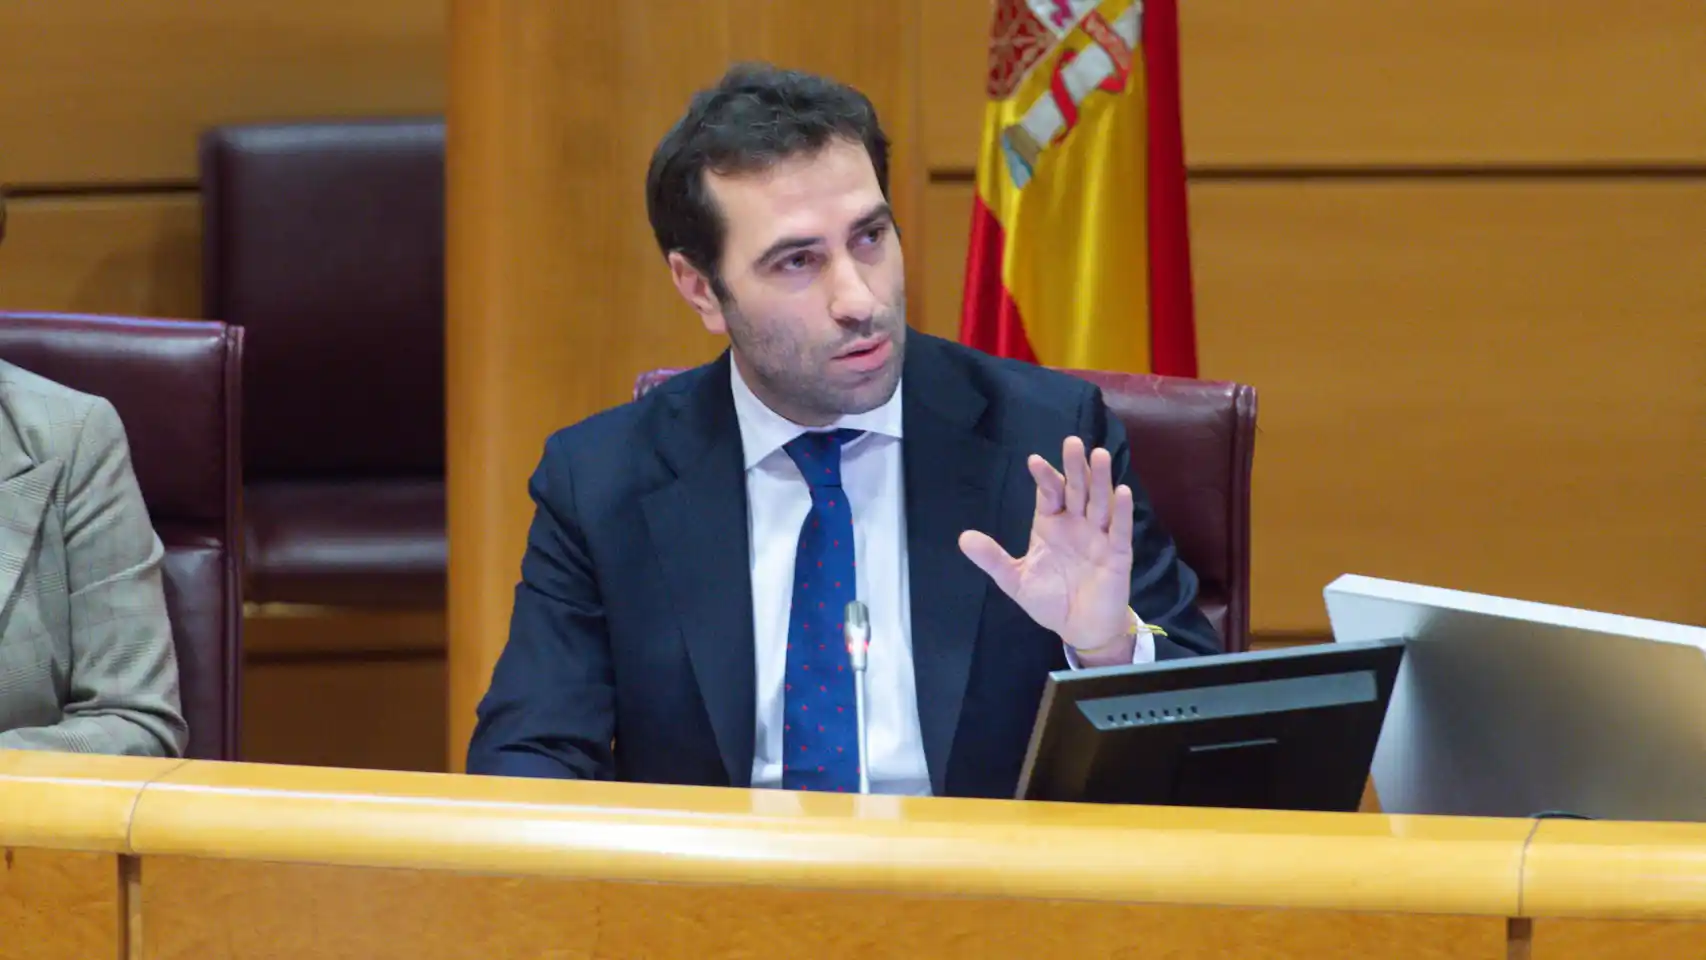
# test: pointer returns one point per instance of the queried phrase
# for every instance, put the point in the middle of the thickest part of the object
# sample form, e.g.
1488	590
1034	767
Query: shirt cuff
1142	652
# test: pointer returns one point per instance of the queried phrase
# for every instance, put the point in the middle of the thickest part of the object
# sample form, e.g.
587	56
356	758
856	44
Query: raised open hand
1075	578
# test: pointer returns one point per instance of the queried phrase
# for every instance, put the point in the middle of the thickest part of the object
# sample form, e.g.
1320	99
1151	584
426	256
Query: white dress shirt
778	500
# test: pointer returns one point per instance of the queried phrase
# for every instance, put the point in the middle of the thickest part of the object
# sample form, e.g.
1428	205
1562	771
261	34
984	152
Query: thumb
988	556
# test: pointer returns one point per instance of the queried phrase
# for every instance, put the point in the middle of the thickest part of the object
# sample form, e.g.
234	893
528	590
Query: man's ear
695	287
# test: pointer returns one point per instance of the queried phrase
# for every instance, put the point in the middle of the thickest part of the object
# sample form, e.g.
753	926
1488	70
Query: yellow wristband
1131	631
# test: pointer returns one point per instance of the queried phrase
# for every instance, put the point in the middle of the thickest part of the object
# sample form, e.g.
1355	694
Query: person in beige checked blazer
86	657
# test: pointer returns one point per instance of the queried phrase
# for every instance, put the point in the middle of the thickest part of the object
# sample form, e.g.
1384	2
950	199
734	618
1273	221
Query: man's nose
851	299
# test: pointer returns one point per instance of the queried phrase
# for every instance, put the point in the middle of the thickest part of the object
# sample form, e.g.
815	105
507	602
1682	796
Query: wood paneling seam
1522	868
130	875
87	191
129	907
1519	938
130	821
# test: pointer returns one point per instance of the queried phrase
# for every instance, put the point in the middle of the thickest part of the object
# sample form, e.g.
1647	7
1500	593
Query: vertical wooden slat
130	943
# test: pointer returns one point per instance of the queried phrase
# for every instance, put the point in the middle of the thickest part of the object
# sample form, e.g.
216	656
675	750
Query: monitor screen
1291	729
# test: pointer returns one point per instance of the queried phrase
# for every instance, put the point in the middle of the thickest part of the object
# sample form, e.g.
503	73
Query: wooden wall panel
356	709
59	905
300	632
952	73
1489	385
1556	939
138	255
194	908
947	208
1406	82
344	687
1495	386
120	91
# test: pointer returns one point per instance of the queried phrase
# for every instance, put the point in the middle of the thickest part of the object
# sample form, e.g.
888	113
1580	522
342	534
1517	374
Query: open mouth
865	357
863	350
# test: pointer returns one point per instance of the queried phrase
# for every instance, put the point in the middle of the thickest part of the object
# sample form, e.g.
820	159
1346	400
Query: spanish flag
1080	252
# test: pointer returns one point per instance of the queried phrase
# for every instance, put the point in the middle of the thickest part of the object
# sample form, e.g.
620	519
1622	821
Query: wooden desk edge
643	833
67	801
1353	862
1615	870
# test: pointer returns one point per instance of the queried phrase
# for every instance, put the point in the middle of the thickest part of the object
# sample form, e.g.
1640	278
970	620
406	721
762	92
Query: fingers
1084	489
1101	488
989	557
1051	486
1119	525
1077	476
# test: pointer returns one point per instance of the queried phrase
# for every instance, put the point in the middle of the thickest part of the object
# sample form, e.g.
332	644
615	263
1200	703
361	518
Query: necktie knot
818	455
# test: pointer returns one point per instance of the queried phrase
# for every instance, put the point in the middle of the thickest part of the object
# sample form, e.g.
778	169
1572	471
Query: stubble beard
790	380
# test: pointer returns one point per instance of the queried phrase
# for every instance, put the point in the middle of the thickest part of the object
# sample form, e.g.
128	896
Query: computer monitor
1290	729
1508	708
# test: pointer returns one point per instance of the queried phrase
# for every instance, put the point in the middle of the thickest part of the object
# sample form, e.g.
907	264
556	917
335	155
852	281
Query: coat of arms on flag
1079	254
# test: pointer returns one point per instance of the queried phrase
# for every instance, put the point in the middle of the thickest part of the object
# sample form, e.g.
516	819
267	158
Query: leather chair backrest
325	242
1193	446
177	388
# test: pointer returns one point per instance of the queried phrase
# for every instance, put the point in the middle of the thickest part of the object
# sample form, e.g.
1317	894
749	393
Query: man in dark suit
679	614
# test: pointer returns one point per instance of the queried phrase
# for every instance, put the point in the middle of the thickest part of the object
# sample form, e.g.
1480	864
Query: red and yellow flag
1080	253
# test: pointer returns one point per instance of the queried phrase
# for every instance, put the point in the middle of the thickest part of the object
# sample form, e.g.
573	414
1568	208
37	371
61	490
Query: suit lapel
698	528
23	501
955	479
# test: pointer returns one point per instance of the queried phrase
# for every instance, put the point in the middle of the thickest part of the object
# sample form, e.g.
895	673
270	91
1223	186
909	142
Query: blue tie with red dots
820	745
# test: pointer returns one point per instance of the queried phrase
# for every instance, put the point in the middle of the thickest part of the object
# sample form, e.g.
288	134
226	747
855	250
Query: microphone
856	629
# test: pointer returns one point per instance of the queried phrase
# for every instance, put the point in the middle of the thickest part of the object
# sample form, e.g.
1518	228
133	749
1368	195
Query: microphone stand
856	628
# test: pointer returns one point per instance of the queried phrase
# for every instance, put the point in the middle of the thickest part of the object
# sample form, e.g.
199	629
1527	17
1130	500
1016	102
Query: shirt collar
763	431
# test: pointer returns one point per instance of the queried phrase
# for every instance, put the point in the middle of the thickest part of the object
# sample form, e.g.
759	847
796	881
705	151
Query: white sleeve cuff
1143	651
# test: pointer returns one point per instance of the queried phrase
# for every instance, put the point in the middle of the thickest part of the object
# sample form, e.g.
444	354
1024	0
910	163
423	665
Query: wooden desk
1620	891
230	860
64	833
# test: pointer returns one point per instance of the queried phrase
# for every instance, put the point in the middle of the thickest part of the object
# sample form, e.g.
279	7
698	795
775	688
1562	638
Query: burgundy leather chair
325	242
177	388
1193	445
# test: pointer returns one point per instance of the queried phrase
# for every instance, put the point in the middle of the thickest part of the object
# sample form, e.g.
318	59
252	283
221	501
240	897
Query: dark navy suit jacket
631	651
